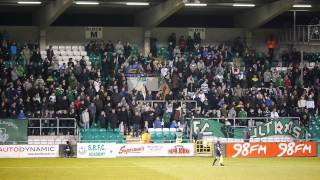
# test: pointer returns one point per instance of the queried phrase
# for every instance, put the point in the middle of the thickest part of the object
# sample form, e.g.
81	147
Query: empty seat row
66	53
163	135
74	58
67	47
101	135
161	129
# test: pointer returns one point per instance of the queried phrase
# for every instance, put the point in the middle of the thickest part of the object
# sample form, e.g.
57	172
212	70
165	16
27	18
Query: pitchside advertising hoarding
154	150
109	150
96	150
29	151
274	149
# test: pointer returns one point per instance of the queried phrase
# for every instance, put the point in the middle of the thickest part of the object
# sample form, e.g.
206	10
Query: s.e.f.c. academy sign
278	127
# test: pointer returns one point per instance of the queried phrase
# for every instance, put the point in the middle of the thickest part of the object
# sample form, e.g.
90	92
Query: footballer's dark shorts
218	153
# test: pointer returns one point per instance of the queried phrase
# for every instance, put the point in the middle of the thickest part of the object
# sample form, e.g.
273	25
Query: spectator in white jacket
85	118
274	113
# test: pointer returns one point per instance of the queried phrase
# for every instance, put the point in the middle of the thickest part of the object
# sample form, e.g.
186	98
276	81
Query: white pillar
43	39
249	38
146	37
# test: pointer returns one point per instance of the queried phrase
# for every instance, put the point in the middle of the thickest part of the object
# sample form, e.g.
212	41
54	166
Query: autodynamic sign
136	150
276	149
26	151
96	150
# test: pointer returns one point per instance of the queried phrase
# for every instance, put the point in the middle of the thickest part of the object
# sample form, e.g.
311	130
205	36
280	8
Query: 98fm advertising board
274	149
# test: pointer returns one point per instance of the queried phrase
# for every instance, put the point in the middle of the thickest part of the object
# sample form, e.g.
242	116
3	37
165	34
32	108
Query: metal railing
251	121
52	126
182	102
301	34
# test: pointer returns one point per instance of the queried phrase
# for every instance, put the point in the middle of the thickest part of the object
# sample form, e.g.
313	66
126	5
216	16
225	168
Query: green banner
319	150
277	128
13	131
216	128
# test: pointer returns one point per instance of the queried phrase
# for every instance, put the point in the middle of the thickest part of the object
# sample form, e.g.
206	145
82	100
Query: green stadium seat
100	135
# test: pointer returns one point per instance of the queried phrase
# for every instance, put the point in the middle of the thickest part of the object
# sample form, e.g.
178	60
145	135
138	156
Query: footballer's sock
214	162
221	160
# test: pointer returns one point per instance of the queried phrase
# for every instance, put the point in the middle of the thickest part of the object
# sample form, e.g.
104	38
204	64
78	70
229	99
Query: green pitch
159	168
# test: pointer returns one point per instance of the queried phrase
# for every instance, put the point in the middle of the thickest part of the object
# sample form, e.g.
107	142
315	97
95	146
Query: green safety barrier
13	131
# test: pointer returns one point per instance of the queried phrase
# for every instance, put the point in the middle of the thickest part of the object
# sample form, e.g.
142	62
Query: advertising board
96	150
153	150
28	151
276	149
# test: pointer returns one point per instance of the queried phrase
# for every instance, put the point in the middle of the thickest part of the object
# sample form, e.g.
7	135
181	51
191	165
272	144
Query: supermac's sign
154	150
26	151
279	149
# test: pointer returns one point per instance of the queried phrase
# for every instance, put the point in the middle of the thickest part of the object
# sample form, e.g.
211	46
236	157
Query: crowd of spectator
226	80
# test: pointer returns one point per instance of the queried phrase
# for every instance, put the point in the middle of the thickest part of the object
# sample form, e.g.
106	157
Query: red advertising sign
275	149
179	150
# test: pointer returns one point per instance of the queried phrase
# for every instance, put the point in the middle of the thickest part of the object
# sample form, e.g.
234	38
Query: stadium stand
227	80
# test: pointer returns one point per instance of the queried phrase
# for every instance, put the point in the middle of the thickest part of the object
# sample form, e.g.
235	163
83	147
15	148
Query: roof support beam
48	14
261	15
157	14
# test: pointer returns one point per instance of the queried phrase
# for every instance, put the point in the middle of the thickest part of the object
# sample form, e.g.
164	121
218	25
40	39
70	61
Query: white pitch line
61	167
82	167
145	166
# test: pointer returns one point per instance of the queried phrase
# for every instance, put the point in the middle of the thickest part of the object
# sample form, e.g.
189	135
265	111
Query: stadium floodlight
29	2
196	4
87	3
243	5
302	6
137	4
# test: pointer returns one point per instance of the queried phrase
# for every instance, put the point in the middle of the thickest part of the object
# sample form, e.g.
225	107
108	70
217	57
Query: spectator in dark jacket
113	118
101	120
136	123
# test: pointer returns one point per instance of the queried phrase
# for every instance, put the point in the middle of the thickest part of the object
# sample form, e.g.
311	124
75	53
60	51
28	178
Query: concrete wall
76	35
212	34
22	33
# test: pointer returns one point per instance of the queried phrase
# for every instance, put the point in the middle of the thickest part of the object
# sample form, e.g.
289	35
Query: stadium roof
118	13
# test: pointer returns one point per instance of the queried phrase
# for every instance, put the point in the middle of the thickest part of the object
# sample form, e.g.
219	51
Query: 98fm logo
271	149
289	149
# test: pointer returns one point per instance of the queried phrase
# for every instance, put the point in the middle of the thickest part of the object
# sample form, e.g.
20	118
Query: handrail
56	127
244	118
302	34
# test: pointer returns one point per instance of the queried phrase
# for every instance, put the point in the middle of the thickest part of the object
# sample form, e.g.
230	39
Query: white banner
152	150
96	150
138	83
93	32
28	151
